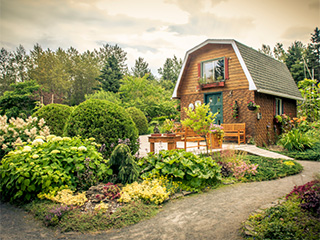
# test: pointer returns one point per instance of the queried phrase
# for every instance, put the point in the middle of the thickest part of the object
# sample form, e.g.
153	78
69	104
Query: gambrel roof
264	73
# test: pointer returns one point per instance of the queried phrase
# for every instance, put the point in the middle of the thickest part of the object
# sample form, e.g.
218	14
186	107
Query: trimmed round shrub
49	165
55	116
139	119
106	122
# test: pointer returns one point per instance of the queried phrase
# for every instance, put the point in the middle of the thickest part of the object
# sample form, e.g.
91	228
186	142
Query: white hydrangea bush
15	132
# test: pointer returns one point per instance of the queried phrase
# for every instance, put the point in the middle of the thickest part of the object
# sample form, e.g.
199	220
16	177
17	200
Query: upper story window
279	106
213	70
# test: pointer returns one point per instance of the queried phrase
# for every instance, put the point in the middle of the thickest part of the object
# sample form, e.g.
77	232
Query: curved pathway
216	214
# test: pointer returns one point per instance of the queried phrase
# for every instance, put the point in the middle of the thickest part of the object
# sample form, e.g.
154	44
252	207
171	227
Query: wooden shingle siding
237	78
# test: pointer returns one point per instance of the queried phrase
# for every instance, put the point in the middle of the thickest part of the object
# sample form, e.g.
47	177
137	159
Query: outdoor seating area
235	131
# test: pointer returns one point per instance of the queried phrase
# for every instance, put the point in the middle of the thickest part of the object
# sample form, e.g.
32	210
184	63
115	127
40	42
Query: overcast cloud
154	29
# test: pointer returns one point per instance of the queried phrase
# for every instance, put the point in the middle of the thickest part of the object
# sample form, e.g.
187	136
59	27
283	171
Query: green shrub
295	140
105	121
123	164
270	168
139	119
286	221
17	131
55	116
193	171
49	166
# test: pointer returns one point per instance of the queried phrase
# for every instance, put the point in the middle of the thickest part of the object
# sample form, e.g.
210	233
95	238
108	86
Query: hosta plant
194	172
49	165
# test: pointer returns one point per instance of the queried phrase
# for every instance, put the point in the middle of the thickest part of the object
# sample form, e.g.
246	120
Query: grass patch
76	220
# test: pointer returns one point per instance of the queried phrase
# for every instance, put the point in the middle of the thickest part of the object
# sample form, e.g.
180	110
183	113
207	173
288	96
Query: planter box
155	134
212	85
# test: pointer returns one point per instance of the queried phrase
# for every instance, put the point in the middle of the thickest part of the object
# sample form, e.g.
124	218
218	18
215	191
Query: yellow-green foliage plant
49	165
150	191
66	197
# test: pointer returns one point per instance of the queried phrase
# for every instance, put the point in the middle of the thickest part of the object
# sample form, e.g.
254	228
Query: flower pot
216	142
252	108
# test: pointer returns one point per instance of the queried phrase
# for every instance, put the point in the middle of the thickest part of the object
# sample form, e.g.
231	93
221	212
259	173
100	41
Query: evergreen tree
279	52
7	75
294	60
313	55
170	72
266	50
141	68
110	75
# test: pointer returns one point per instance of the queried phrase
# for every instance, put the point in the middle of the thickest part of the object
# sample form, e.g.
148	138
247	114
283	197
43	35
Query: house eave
279	94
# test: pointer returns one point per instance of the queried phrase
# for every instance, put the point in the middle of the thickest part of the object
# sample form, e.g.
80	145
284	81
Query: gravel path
216	214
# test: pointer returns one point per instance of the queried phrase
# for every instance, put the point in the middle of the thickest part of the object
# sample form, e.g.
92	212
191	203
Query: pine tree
110	75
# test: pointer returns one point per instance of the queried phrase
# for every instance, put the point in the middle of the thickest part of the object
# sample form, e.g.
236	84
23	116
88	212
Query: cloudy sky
154	29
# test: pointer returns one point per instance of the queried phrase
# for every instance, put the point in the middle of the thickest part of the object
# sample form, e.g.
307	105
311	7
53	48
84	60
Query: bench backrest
233	126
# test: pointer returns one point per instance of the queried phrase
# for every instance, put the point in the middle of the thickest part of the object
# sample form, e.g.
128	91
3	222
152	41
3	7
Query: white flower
56	139
4	146
37	142
35	156
74	148
26	149
66	139
41	122
82	148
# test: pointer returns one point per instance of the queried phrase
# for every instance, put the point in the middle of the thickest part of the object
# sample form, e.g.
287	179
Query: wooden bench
232	130
188	135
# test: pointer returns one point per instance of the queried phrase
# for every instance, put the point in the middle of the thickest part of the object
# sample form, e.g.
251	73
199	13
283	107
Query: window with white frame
279	107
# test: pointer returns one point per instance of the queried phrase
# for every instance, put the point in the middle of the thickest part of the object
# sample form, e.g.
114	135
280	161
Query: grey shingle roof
268	74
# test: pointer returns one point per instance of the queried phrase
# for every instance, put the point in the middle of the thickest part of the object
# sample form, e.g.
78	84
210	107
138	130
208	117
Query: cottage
227	75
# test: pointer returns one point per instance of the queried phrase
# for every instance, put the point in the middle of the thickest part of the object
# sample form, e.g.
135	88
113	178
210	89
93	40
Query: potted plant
252	106
217	135
168	126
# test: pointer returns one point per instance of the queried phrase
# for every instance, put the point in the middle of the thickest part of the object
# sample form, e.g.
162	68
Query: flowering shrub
233	162
48	165
67	197
235	110
17	131
217	130
194	172
150	190
55	215
241	168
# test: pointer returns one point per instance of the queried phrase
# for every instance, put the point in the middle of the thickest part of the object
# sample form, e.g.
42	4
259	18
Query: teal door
216	106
